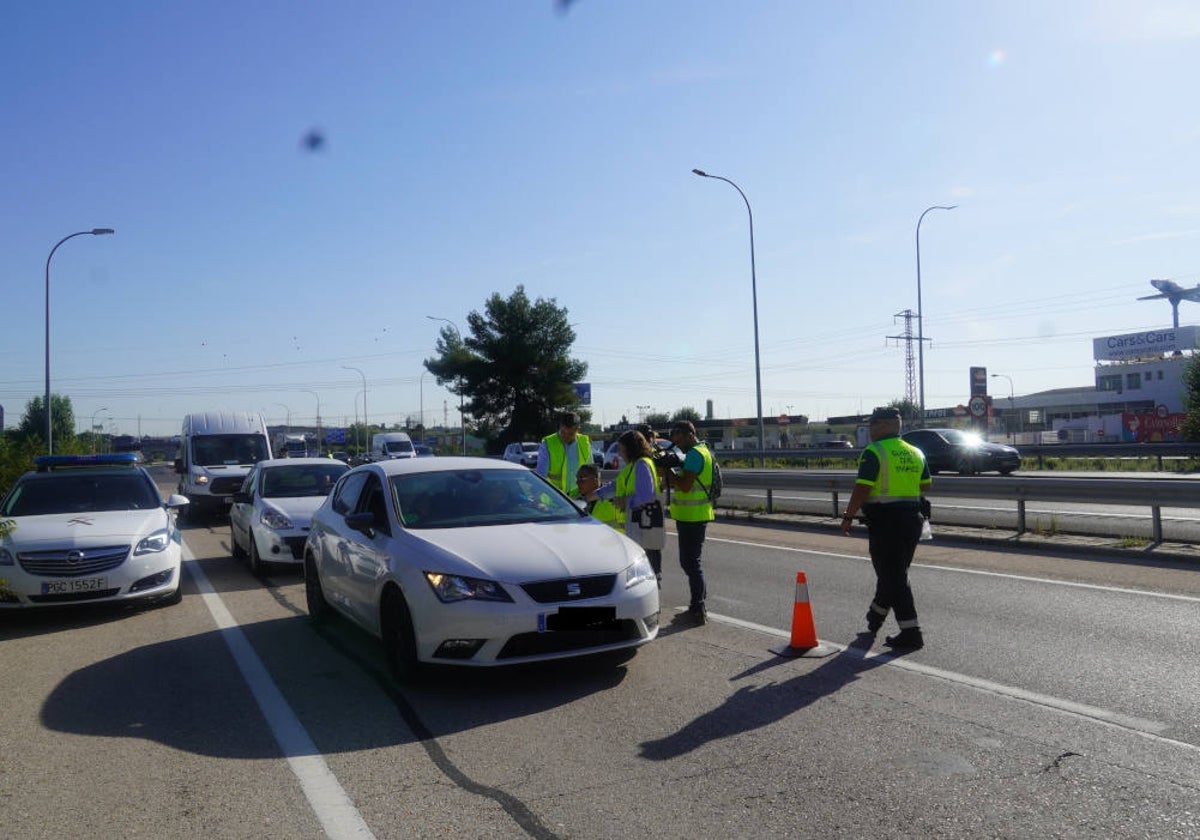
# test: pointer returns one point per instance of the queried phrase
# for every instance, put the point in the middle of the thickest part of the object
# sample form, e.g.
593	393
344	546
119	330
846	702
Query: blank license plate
68	587
580	618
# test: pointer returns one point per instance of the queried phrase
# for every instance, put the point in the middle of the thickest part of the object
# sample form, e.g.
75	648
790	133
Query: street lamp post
318	398
366	426
92	428
920	319
754	300
357	427
288	422
49	426
462	414
1012	403
422	381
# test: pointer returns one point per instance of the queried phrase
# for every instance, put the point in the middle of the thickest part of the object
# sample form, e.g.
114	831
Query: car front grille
225	486
296	544
73	562
540	644
569	589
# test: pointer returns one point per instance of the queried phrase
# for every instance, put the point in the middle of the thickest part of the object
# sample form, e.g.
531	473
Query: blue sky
472	147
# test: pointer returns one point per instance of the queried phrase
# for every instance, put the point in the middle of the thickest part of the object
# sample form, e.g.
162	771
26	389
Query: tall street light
1012	401
920	319
754	300
318	398
289	415
366	427
92	232
462	414
422	381
92	428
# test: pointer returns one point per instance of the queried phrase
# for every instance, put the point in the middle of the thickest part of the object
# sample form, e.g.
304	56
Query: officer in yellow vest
587	482
692	510
892	475
560	454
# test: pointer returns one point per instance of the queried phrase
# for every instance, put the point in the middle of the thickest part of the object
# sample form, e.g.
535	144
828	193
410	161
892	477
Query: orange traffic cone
804	641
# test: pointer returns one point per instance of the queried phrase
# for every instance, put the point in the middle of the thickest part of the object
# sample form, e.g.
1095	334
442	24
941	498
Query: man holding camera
692	510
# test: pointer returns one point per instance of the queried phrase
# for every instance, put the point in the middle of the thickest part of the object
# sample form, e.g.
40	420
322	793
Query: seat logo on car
574	590
74	558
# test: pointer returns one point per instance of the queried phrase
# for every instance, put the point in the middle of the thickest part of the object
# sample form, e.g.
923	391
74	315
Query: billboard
978	382
1150	343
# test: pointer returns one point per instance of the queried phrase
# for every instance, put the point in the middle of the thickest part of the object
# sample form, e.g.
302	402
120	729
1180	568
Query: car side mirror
361	522
241	498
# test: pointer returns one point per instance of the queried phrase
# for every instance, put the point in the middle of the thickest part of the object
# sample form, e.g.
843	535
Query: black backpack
713	492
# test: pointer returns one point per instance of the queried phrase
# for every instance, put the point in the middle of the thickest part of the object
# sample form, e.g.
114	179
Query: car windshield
475	498
81	493
529	447
961	438
399	446
218	450
300	480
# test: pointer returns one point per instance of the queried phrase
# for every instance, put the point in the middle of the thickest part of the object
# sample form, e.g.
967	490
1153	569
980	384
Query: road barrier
1154	493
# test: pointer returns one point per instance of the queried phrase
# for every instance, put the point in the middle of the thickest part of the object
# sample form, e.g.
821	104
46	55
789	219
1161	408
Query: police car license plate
74	585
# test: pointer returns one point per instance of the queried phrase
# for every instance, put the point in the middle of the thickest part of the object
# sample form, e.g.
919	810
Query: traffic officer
692	510
892	475
560	454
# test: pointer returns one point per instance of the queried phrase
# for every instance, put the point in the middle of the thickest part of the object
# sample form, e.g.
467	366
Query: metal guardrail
1155	493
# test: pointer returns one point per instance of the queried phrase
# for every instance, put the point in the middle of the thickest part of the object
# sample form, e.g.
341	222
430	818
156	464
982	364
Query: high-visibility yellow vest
607	512
694	505
901	466
627	479
557	468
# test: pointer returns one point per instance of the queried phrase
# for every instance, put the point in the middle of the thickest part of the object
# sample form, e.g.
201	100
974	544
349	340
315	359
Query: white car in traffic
85	529
268	520
473	561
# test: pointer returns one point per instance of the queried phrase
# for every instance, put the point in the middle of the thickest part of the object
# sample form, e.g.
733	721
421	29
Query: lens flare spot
997	57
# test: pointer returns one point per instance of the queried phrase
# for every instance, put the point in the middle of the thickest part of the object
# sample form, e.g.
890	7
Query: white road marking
1170	596
329	801
1142	727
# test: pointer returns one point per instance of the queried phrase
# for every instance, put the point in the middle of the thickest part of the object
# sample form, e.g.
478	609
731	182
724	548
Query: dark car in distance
954	450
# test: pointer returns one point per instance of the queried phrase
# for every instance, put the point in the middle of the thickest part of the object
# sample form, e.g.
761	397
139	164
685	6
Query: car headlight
638	572
275	520
156	542
450	588
202	479
6	558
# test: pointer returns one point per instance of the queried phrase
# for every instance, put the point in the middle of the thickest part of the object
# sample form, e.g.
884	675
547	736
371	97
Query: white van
391	445
217	449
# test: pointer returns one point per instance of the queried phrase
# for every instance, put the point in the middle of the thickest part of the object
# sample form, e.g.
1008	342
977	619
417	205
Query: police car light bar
45	463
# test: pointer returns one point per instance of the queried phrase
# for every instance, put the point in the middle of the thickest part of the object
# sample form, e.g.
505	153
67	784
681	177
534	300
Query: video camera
666	459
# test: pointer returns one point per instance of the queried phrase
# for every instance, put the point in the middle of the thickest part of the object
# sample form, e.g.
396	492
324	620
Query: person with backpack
692	510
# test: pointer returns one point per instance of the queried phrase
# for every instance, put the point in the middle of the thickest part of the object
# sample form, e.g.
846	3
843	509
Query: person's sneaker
697	614
907	639
874	621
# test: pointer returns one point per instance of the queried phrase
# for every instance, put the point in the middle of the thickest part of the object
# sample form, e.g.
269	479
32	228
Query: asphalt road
1056	697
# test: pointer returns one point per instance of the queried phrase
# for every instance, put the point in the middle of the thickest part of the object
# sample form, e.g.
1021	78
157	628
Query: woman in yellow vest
636	486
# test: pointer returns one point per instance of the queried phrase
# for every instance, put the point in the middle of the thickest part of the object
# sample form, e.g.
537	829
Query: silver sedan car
268	520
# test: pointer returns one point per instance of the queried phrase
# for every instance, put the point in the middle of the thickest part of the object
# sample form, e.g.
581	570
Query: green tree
33	422
909	410
658	419
1191	399
513	369
686	413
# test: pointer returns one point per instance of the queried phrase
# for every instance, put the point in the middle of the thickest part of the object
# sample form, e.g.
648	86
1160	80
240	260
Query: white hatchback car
88	528
524	454
268	520
474	561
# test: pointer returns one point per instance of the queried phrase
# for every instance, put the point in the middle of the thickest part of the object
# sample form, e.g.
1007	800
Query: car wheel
1007	470
235	549
258	566
314	597
399	641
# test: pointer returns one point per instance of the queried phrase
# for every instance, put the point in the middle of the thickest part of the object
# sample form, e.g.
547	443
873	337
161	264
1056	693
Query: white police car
86	528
